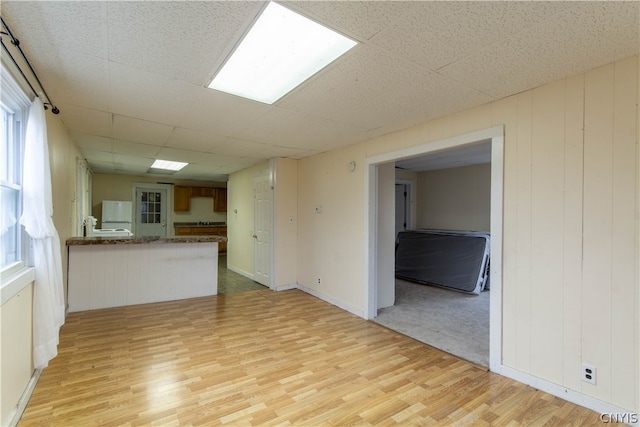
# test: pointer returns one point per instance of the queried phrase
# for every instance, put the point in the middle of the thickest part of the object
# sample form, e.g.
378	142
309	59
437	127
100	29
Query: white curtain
48	294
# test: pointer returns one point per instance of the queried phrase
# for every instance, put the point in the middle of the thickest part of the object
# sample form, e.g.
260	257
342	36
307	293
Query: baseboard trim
279	288
24	399
597	405
332	301
241	272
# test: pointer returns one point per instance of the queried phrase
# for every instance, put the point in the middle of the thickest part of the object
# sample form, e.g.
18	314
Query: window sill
12	285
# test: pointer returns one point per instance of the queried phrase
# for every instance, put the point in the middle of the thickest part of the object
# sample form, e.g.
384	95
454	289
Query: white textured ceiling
130	77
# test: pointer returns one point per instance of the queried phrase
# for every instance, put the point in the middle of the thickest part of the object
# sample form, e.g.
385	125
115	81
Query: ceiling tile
461	156
189	156
94	142
130	169
205	169
236	147
195	140
133	149
96	155
142	131
439	33
102	167
152	36
140	162
563	45
287	128
79	79
348	17
70	25
224	114
352	93
138	93
86	120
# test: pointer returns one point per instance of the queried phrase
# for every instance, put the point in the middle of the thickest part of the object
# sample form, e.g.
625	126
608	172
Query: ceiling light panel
279	52
168	165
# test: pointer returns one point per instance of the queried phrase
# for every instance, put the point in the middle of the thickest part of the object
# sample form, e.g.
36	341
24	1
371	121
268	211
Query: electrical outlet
589	373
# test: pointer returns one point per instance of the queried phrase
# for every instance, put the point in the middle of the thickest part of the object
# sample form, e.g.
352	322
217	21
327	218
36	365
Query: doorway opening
380	266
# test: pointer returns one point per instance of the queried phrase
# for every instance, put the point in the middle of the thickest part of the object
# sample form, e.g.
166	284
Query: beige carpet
452	321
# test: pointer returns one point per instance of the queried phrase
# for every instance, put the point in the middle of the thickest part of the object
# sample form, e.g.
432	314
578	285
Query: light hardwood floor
269	358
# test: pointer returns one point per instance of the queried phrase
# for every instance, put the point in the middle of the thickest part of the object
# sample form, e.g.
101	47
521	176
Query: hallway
230	282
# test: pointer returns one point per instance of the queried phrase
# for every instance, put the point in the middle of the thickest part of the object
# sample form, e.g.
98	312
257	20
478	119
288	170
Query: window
14	106
150	207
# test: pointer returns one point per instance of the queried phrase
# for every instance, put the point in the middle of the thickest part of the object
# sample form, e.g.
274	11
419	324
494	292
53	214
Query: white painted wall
455	198
240	253
15	351
570	232
330	243
286	223
385	246
240	220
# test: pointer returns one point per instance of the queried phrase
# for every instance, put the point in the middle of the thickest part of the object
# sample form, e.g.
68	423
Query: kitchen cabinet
183	231
220	200
203	191
181	198
205	231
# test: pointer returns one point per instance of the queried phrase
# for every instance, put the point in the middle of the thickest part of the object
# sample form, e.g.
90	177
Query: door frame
496	136
153	185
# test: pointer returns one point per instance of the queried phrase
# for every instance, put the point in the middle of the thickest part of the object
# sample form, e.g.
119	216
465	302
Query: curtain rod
16	43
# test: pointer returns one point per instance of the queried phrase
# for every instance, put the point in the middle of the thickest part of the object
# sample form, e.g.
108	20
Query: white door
263	204
151	212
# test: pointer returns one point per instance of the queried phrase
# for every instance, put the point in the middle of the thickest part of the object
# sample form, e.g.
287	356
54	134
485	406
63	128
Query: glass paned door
151	215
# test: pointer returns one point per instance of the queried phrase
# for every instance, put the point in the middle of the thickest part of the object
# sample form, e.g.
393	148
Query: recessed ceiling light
168	164
279	52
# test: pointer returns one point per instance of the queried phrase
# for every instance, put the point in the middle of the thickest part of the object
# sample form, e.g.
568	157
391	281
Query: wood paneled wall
570	226
569	232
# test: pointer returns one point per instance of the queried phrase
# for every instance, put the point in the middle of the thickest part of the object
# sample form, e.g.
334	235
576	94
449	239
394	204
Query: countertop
199	224
80	241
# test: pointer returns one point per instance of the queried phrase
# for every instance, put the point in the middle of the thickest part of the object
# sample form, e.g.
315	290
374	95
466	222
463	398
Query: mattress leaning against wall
486	234
454	260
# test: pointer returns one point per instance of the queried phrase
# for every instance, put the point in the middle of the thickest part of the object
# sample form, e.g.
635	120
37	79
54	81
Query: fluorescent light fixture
279	52
168	164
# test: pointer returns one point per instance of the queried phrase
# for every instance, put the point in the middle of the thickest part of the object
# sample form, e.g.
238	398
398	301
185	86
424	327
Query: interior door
263	202
151	212
401	207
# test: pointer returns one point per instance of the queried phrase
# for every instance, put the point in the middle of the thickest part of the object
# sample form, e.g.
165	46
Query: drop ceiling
130	77
468	155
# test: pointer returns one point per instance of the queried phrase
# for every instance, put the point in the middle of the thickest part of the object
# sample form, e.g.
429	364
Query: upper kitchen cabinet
181	198
203	192
220	200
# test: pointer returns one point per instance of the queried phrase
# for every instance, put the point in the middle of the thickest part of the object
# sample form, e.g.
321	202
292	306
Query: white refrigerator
116	214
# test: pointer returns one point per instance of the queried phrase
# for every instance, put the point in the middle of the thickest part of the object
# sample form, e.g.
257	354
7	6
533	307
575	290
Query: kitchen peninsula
201	228
117	271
